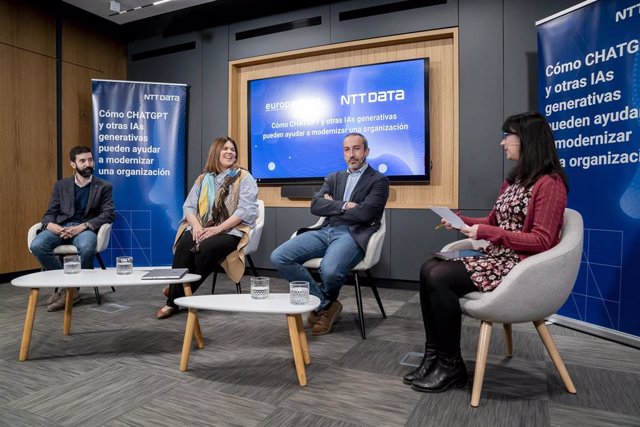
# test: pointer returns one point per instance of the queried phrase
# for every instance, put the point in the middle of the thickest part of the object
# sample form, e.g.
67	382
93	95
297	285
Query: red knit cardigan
542	224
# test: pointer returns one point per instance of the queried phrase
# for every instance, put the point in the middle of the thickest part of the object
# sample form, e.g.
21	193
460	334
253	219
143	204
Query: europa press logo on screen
303	103
155	97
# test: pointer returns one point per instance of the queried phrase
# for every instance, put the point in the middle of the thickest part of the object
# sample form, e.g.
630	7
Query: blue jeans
46	241
339	253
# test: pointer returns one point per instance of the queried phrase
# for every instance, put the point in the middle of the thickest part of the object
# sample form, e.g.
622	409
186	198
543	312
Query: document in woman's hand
448	215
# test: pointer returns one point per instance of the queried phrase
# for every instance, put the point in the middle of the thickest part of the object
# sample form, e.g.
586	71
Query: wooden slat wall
28	28
28	114
28	123
440	46
86	55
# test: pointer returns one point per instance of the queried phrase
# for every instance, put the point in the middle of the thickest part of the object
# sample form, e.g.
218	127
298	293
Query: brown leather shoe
165	312
313	318
326	319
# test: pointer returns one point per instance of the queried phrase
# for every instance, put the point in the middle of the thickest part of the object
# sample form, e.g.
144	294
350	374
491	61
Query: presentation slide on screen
298	121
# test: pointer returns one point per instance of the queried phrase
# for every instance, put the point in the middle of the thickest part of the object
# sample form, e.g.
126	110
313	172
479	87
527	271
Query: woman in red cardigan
526	219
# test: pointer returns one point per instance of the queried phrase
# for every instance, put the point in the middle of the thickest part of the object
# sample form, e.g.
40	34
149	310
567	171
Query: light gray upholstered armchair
104	233
252	245
371	258
532	291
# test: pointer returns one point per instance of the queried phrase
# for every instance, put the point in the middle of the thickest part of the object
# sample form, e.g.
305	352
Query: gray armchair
371	258
254	240
533	290
104	233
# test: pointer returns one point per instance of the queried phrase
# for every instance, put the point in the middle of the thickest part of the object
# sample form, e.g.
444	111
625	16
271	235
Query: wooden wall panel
76	109
85	47
86	55
27	28
28	140
28	114
442	50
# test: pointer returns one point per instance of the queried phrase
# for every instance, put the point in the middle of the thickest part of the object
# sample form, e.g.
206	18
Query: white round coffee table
275	304
84	279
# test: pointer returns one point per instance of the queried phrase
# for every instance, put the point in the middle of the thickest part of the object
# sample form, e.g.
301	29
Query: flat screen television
297	122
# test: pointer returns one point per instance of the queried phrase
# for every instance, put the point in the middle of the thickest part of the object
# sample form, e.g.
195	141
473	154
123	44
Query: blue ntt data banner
139	146
589	90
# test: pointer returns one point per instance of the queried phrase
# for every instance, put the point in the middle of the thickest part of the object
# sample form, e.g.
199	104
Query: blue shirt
352	181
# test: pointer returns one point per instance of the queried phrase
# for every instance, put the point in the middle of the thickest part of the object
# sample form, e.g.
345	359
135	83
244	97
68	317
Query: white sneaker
60	303
54	297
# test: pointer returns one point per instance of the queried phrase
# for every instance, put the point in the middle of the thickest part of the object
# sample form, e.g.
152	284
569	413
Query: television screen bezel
400	179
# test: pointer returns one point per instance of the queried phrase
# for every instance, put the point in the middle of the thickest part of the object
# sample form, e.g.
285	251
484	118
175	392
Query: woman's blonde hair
213	158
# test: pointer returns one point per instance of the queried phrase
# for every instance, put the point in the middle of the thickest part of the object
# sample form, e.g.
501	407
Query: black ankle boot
428	362
448	371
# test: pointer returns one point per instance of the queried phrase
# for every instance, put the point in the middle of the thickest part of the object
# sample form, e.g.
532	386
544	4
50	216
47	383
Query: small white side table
83	279
276	304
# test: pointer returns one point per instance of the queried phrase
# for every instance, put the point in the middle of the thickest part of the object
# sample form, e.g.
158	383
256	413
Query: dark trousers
441	284
213	250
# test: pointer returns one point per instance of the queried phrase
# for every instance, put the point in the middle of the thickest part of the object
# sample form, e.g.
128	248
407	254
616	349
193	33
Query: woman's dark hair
538	155
213	158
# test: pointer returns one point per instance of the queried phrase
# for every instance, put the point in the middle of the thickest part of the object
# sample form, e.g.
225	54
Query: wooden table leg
28	324
68	309
192	318
302	336
196	329
297	349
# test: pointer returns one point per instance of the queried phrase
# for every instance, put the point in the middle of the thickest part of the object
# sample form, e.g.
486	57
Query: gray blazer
370	193
100	208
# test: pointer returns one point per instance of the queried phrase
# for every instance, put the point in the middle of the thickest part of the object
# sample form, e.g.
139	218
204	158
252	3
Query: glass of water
72	264
299	292
259	287
124	265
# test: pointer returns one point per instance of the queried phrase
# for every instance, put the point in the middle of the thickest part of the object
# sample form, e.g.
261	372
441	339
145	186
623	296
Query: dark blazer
370	193
100	208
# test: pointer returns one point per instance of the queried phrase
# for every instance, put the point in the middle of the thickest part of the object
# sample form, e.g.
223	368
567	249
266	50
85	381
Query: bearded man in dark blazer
78	207
353	202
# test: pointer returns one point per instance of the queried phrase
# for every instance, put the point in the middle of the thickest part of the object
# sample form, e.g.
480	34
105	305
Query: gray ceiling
144	19
133	10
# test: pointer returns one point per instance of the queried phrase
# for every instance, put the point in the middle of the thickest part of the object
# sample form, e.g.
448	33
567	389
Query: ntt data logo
154	97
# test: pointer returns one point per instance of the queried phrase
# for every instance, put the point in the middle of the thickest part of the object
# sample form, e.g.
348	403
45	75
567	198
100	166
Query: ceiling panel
133	10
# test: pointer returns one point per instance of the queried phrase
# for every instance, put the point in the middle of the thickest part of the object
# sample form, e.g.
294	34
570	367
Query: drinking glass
259	287
299	292
124	265
72	264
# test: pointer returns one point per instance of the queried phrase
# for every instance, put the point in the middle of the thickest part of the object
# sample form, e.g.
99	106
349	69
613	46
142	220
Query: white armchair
371	258
532	291
254	240
104	234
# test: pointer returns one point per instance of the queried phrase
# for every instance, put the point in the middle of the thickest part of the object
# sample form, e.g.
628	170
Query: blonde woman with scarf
219	211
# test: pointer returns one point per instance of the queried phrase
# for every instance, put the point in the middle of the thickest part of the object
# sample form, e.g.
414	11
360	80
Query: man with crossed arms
352	202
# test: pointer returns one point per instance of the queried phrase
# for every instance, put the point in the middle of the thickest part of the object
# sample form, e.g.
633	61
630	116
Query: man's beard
86	172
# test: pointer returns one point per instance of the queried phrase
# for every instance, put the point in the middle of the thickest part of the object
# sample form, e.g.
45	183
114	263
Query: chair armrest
312	227
104	233
461	245
32	233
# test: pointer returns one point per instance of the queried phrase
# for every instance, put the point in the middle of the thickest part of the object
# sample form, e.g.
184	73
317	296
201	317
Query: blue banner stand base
598	331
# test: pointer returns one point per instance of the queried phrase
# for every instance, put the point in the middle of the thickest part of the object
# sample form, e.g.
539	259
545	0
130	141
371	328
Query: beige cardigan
233	264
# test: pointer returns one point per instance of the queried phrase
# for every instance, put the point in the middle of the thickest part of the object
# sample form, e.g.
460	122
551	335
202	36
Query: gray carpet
121	369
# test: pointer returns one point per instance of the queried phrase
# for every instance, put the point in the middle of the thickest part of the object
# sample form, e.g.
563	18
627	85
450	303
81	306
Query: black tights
441	284
212	251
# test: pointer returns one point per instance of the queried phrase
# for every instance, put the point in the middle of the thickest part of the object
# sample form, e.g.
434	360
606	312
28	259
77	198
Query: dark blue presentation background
399	151
605	191
148	207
